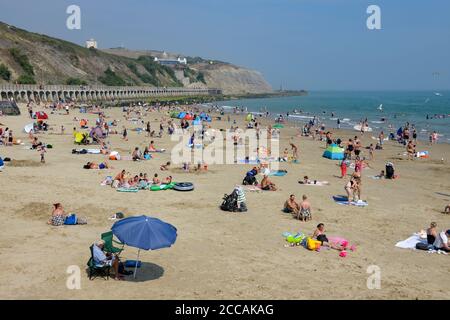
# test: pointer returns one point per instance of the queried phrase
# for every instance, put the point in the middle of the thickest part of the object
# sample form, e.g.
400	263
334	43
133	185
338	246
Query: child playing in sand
41	150
165	167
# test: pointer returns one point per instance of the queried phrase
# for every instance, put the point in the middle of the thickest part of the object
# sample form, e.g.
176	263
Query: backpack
229	202
71	220
389	171
249	180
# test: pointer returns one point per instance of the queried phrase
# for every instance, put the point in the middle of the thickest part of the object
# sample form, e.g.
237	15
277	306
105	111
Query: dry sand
219	255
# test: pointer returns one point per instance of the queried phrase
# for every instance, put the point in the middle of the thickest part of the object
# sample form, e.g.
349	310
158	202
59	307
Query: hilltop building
91	43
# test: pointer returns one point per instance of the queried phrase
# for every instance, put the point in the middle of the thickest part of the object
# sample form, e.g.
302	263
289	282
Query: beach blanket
278	173
127	189
157	151
251	188
317	184
410	243
343	201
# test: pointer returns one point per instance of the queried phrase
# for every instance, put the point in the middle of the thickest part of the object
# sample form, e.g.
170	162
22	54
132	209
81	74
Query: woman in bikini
349	189
319	235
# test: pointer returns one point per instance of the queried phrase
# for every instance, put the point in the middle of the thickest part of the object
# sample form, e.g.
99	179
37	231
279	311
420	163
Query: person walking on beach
381	138
411	149
125	134
338	123
294	151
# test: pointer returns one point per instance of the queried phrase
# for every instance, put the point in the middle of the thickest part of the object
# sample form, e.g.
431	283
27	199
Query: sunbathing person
151	147
165	167
267	185
305	180
93	165
319	235
447	209
156	180
101	259
119	180
137	155
291	206
432	233
442	241
58	215
167	180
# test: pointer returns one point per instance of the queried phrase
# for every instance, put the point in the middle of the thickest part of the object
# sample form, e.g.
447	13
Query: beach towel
410	243
251	188
343	201
127	189
318	183
278	173
93	151
157	151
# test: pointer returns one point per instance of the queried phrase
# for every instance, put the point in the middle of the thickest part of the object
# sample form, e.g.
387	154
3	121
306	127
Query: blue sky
303	44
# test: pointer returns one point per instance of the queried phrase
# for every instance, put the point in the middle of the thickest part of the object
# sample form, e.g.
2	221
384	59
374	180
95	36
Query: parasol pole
135	266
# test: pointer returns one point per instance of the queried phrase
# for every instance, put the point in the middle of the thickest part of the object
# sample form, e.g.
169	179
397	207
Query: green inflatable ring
162	187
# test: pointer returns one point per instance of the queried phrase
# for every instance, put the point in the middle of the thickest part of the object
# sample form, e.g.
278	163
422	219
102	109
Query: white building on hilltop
91	43
172	62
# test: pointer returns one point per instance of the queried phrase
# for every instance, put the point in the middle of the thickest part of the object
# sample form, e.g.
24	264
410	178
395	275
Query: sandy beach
219	255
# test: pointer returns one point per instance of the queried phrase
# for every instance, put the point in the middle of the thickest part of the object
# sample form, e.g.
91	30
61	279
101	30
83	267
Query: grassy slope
55	60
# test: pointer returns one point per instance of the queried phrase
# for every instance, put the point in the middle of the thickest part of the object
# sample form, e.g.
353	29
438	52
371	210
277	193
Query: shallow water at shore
398	107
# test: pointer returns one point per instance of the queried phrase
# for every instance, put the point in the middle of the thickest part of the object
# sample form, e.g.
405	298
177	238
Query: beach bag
249	180
423	246
229	202
389	171
312	244
71	219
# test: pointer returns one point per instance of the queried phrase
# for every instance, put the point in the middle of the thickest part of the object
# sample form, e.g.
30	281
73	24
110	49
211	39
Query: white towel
411	242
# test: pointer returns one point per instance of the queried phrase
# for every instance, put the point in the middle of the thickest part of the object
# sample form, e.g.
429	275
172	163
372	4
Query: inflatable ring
183	186
162	187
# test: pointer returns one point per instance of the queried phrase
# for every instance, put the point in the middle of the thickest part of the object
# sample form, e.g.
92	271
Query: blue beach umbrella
144	233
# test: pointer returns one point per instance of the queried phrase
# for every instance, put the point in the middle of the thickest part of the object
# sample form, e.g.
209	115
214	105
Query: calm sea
397	108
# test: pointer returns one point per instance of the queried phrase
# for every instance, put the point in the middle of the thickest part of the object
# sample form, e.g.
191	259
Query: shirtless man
156	180
266	184
291	205
120	178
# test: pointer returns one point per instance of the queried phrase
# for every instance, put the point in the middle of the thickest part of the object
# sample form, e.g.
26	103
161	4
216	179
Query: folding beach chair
95	270
108	237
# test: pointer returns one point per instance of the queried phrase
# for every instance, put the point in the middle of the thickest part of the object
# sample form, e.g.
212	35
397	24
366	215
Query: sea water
397	108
